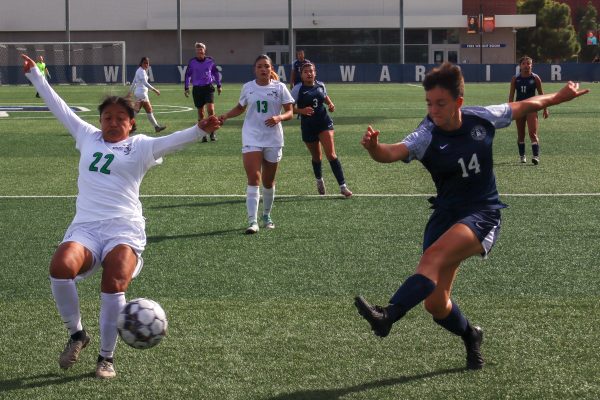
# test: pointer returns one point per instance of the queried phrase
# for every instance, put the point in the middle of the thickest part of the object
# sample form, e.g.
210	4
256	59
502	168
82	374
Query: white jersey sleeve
176	141
418	141
499	115
296	92
71	121
286	96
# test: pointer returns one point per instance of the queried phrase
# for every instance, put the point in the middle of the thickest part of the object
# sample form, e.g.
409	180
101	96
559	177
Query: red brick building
506	7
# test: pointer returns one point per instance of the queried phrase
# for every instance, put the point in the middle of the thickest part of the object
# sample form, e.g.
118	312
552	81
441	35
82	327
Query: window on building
444	36
277	37
416	36
416	54
369	45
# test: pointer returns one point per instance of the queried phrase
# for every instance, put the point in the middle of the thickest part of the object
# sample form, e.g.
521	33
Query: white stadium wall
232	29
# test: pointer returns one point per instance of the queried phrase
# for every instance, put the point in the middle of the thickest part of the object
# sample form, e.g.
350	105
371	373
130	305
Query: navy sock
535	149
521	149
455	322
317	169
338	172
414	290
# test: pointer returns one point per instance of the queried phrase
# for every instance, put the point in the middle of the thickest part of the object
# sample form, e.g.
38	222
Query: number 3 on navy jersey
104	169
473	165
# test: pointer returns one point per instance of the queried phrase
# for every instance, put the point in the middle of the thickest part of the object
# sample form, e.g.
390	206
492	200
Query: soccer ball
142	323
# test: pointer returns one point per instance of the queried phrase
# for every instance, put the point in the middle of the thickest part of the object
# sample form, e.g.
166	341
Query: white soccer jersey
110	174
140	84
263	102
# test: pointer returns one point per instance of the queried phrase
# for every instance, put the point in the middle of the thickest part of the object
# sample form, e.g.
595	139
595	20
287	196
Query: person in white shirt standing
262	136
139	88
108	228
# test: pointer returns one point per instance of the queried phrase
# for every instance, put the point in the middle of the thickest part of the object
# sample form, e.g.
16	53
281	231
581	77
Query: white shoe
345	191
252	228
535	160
105	368
523	159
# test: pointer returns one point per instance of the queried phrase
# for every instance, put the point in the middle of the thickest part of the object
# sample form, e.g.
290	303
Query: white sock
110	306
268	198
67	303
252	198
152	119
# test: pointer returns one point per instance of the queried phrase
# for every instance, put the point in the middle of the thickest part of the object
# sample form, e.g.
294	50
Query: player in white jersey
262	136
139	88
108	228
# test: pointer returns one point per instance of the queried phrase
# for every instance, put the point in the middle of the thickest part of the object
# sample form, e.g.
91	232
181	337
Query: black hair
263	57
142	60
447	76
306	65
124	102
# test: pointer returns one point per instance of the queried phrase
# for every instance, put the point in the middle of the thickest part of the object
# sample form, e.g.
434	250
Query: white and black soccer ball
142	323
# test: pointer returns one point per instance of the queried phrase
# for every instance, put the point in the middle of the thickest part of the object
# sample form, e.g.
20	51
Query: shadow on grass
515	163
36	381
197	204
157	239
242	200
334	394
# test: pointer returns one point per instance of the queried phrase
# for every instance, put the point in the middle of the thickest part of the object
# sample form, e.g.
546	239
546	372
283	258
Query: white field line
208	196
88	113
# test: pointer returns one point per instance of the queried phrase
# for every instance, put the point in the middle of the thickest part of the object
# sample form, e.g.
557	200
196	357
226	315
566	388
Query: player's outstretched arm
569	92
382	152
234	112
175	141
55	104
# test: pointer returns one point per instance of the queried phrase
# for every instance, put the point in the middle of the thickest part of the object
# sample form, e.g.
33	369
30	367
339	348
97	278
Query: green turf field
270	316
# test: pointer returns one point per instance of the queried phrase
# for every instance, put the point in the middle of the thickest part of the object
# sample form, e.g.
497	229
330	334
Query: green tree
587	23
553	39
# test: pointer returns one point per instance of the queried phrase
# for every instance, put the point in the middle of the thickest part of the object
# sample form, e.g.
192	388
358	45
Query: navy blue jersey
525	87
312	96
460	162
296	66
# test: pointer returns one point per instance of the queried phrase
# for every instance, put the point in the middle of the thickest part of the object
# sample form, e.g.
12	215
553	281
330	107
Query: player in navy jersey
454	143
525	85
317	126
296	65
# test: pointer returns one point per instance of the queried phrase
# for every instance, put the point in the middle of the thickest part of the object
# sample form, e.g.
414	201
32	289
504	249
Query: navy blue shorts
484	223
310	131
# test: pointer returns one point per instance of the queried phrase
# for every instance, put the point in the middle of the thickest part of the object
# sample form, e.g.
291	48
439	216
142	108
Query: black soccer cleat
472	340
376	316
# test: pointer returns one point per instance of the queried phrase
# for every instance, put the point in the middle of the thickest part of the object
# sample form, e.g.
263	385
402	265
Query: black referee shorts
203	95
